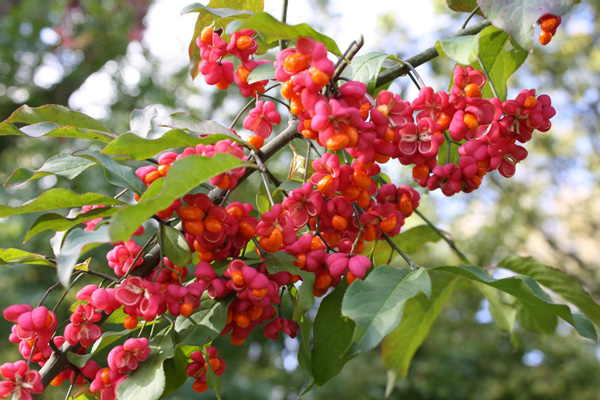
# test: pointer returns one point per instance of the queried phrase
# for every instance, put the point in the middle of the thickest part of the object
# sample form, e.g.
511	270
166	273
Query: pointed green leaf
212	379
184	175
262	204
331	337
528	291
55	199
282	261
175	368
503	314
140	121
420	313
367	67
462	49
376	303
499	62
410	241
137	148
17	256
304	339
205	324
148	381
117	174
270	30
72	248
262	72
57	222
218	12
462	5
535	320
56	121
556	280
61	164
105	340
518	17
174	246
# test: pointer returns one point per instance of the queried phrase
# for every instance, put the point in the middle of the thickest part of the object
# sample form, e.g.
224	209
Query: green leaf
262	204
271	30
61	164
205	324
148	382
218	12
282	261
59	198
117	174
58	223
503	314
116	317
288	186
262	72
556	280
184	175
518	17
462	5
137	148
174	246
140	121
72	248
462	49
17	256
376	303
420	312
331	337
208	18
105	340
443	153
212	380
304	349
410	241
175	368
367	67
536	320
528	291
499	62
55	121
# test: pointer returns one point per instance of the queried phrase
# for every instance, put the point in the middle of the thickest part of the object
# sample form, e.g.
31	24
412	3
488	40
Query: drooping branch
59	361
398	70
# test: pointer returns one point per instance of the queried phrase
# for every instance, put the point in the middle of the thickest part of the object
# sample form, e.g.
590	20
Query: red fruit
545	38
296	62
186	309
472	90
192	213
243	42
130	322
199	386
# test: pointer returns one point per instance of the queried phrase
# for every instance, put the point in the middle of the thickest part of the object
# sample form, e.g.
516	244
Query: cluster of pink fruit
325	224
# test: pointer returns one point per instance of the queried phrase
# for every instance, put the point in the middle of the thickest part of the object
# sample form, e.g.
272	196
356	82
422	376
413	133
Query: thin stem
140	254
484	69
425	56
67	291
32	350
469	17
71	388
50	289
406	258
242	111
448	147
260	250
444	237
263	174
306	162
345	59
101	275
416	74
274	99
283	43
318	233
360	226
121	193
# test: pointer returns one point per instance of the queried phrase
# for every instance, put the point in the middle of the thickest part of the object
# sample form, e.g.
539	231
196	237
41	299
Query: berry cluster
549	24
327	224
